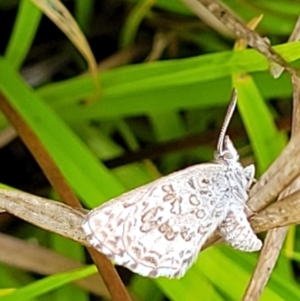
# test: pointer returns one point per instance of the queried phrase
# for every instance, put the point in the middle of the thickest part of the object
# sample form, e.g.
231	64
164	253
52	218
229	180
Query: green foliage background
80	137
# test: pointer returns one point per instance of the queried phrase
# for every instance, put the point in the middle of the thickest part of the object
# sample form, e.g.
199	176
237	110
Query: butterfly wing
158	229
237	232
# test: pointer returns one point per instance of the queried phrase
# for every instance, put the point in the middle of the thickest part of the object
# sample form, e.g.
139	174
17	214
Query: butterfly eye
228	156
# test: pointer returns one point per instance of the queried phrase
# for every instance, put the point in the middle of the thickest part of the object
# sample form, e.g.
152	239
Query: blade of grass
279	16
47	284
92	181
71	250
130	28
229	271
267	142
167	126
159	86
59	14
83	11
145	289
25	27
132	175
193	280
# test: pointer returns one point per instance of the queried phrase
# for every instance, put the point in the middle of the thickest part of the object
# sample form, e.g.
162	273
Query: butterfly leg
237	232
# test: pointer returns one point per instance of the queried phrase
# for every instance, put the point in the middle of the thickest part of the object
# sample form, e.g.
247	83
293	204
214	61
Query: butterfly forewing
158	229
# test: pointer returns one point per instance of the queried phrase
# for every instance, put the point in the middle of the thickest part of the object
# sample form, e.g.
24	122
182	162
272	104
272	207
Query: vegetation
163	76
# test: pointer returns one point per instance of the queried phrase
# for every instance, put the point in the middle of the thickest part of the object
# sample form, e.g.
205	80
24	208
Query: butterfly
158	229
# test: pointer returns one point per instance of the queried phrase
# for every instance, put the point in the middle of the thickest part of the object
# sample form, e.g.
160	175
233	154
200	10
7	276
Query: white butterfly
158	229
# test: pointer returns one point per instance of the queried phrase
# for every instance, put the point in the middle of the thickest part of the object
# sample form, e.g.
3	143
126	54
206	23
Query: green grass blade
89	178
230	270
83	11
267	142
166	85
25	27
145	289
199	288
133	21
48	284
75	251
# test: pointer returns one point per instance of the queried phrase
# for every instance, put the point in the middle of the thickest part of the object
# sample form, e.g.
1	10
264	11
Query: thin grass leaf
131	175
92	181
267	142
25	27
10	281
83	11
130	28
279	16
174	6
167	126
161	86
6	291
60	15
199	287
48	284
290	241
229	271
146	290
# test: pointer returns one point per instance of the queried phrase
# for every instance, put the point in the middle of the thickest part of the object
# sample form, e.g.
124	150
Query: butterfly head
228	155
227	152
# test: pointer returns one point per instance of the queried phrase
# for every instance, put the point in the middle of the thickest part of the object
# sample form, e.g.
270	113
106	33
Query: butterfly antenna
227	119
